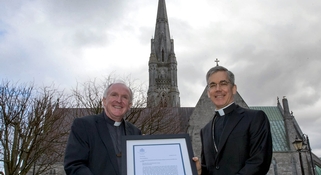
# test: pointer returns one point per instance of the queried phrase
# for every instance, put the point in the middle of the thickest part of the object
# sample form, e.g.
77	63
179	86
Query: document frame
149	154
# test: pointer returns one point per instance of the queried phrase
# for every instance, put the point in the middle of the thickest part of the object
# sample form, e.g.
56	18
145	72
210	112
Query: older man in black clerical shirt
236	140
94	144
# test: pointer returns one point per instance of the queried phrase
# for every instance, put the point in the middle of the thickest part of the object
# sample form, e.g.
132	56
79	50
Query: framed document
157	154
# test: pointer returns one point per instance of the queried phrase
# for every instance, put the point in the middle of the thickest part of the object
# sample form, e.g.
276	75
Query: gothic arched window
163	56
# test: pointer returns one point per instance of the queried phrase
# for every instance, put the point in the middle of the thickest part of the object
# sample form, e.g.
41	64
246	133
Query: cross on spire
217	60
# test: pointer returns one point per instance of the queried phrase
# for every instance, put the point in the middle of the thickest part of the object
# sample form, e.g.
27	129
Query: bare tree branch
30	122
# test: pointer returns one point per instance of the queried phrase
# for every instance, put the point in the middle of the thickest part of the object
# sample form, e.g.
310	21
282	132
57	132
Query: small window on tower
162	55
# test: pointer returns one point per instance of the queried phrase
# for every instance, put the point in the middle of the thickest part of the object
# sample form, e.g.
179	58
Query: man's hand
198	165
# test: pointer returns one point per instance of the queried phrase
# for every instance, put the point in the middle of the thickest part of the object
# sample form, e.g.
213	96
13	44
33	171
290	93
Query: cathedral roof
277	127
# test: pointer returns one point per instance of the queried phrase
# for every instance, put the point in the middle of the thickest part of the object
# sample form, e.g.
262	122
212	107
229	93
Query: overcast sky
272	46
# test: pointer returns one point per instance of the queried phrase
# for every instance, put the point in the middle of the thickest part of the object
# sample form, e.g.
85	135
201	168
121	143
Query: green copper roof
317	170
277	127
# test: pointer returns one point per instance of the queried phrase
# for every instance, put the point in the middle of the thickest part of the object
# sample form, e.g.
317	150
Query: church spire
162	90
161	11
162	43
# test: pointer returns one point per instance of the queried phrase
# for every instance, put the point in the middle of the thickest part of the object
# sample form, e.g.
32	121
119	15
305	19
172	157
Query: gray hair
215	69
131	95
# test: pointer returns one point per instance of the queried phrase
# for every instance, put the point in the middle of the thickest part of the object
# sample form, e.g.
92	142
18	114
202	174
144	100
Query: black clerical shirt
220	122
116	132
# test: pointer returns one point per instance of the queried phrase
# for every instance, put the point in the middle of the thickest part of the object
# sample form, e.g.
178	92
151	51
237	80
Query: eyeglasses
221	84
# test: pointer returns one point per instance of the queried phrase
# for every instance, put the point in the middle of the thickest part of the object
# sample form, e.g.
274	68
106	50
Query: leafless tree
88	95
32	128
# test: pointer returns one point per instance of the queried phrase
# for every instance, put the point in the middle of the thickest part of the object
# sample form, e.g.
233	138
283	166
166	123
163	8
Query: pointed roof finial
217	60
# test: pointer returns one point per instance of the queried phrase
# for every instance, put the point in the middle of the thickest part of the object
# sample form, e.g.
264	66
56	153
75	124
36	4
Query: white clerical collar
221	111
117	123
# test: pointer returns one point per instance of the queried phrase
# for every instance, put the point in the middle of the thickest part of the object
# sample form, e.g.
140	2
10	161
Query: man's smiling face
117	101
220	90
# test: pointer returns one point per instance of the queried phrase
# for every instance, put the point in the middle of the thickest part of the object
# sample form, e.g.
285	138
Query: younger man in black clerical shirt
237	140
